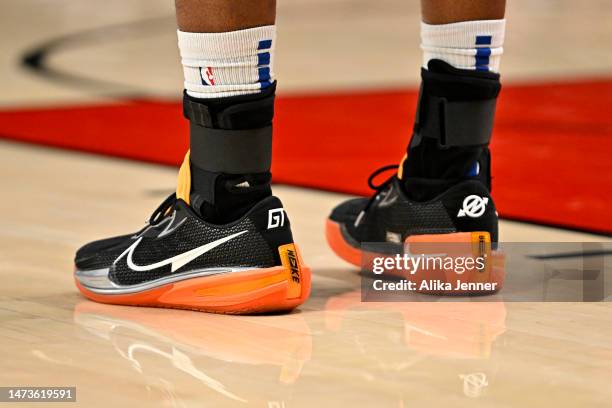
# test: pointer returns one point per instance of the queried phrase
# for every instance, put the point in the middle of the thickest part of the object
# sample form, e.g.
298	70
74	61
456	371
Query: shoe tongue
202	204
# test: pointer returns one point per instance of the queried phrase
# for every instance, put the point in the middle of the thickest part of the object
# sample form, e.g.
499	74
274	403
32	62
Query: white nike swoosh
176	261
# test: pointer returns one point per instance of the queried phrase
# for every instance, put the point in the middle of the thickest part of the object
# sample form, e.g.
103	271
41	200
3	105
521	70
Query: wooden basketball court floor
335	349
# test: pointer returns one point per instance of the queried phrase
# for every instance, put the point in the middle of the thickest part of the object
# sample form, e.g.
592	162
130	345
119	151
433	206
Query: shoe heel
484	275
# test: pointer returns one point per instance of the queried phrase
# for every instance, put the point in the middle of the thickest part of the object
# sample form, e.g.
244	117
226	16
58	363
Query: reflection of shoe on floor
452	345
447	329
283	341
179	260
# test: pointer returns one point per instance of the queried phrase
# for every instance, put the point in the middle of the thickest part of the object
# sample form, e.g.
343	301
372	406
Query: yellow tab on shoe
183	187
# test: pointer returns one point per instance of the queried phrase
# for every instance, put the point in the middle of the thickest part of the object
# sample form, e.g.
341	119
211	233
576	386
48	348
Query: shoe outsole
253	291
493	273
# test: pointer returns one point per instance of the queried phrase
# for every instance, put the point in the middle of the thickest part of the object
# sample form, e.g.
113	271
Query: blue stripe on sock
265	84
264	44
483	39
482	61
483	52
263	58
482	58
264	74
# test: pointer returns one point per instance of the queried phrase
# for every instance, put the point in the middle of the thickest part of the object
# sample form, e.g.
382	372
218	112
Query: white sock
466	45
227	64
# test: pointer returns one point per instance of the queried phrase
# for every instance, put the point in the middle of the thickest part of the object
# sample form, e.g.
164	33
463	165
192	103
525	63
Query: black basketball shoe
390	216
178	260
440	193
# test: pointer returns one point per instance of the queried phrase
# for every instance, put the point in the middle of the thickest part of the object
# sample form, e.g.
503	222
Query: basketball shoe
179	260
441	190
462	213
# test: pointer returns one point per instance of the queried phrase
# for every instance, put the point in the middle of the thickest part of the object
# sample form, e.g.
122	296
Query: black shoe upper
391	216
256	238
446	177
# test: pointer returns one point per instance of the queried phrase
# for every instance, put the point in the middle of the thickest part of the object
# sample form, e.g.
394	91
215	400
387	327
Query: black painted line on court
36	59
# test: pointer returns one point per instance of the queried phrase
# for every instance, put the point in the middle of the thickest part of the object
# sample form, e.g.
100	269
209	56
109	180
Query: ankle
230	144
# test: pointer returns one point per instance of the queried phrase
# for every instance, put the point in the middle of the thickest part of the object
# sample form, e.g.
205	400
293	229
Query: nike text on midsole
97	280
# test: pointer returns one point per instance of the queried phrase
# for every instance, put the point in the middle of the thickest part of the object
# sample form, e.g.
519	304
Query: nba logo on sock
207	75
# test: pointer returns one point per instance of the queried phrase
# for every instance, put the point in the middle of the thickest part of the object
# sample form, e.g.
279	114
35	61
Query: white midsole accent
97	280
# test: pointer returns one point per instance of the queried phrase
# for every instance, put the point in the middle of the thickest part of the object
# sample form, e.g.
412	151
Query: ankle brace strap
456	107
231	135
455	123
236	112
231	151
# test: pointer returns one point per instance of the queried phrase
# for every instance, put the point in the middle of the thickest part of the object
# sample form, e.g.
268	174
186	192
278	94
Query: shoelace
378	188
162	210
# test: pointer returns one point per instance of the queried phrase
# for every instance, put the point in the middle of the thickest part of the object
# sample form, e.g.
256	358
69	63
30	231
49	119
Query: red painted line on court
552	144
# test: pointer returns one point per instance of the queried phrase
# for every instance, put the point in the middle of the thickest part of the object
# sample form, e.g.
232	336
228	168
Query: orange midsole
251	291
493	273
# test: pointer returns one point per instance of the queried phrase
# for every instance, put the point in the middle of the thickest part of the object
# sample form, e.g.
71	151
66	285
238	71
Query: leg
455	11
461	53
441	192
220	44
222	243
226	50
218	16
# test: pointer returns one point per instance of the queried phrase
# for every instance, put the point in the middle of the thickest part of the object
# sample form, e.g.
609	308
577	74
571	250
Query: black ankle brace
231	145
452	130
